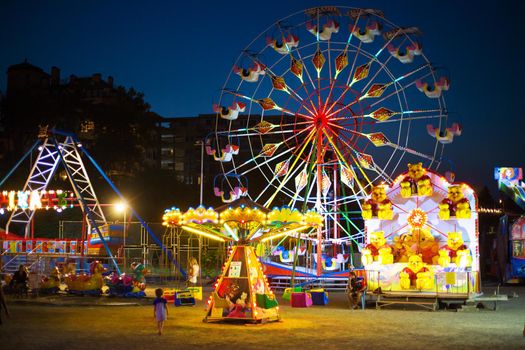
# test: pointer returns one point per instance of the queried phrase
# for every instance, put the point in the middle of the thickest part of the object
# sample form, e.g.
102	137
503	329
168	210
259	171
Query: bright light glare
120	207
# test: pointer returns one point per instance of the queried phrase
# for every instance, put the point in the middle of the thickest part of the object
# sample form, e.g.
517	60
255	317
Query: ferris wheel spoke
422	117
305	69
291	173
394	93
374	166
271	184
292	92
341	127
386	117
344	54
372	79
381	172
258	165
402	87
333	217
297	191
374	58
268	104
309	161
287	176
386	142
254	131
273	157
348	84
357	195
261	194
329	61
343	160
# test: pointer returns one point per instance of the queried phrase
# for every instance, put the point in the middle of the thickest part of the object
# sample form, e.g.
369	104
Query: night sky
180	53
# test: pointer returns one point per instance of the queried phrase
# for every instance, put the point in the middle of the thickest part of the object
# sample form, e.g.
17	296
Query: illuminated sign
508	174
33	200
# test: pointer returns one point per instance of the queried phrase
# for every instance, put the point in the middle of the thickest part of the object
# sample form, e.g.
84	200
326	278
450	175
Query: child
193	272
160	309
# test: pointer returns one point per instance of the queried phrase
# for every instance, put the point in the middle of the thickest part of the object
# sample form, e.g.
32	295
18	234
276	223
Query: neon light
202	233
22	199
287	232
231	232
34	201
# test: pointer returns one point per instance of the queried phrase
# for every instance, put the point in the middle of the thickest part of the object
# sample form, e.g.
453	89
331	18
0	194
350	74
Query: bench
428	303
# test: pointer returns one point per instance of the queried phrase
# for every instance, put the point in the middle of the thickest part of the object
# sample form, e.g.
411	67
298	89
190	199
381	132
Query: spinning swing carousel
242	291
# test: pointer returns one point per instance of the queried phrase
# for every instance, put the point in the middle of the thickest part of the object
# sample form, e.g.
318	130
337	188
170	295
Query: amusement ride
320	107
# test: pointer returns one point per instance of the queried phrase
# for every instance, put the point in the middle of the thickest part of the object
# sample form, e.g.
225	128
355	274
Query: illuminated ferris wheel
322	105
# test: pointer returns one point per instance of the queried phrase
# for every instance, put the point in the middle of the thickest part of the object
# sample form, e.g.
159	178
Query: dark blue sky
180	53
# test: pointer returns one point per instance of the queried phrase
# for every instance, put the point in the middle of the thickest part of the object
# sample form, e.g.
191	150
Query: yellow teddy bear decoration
372	250
463	258
378	205
385	256
424	280
454	205
463	210
366	257
457	250
444	258
406	190
444	211
415	274
385	211
366	211
416	182
424	188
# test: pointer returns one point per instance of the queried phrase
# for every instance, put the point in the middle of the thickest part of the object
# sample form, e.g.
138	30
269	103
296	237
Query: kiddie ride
421	239
93	283
50	284
90	284
128	285
242	292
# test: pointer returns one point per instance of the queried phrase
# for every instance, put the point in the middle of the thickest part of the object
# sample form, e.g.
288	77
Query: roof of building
25	66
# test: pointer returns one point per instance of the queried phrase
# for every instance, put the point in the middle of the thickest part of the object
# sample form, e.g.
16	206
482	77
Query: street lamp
122	207
201	180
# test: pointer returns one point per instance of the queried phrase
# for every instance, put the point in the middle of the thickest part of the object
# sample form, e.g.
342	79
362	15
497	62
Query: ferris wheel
323	105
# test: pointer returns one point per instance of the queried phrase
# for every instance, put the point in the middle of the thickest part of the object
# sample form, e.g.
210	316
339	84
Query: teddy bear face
415	263
378	194
377	239
454	240
415	171
455	194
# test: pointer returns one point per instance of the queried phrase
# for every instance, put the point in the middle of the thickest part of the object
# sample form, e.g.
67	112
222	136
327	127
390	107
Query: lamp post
122	207
201	180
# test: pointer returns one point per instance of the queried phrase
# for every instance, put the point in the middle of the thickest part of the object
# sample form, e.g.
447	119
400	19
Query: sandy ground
67	322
